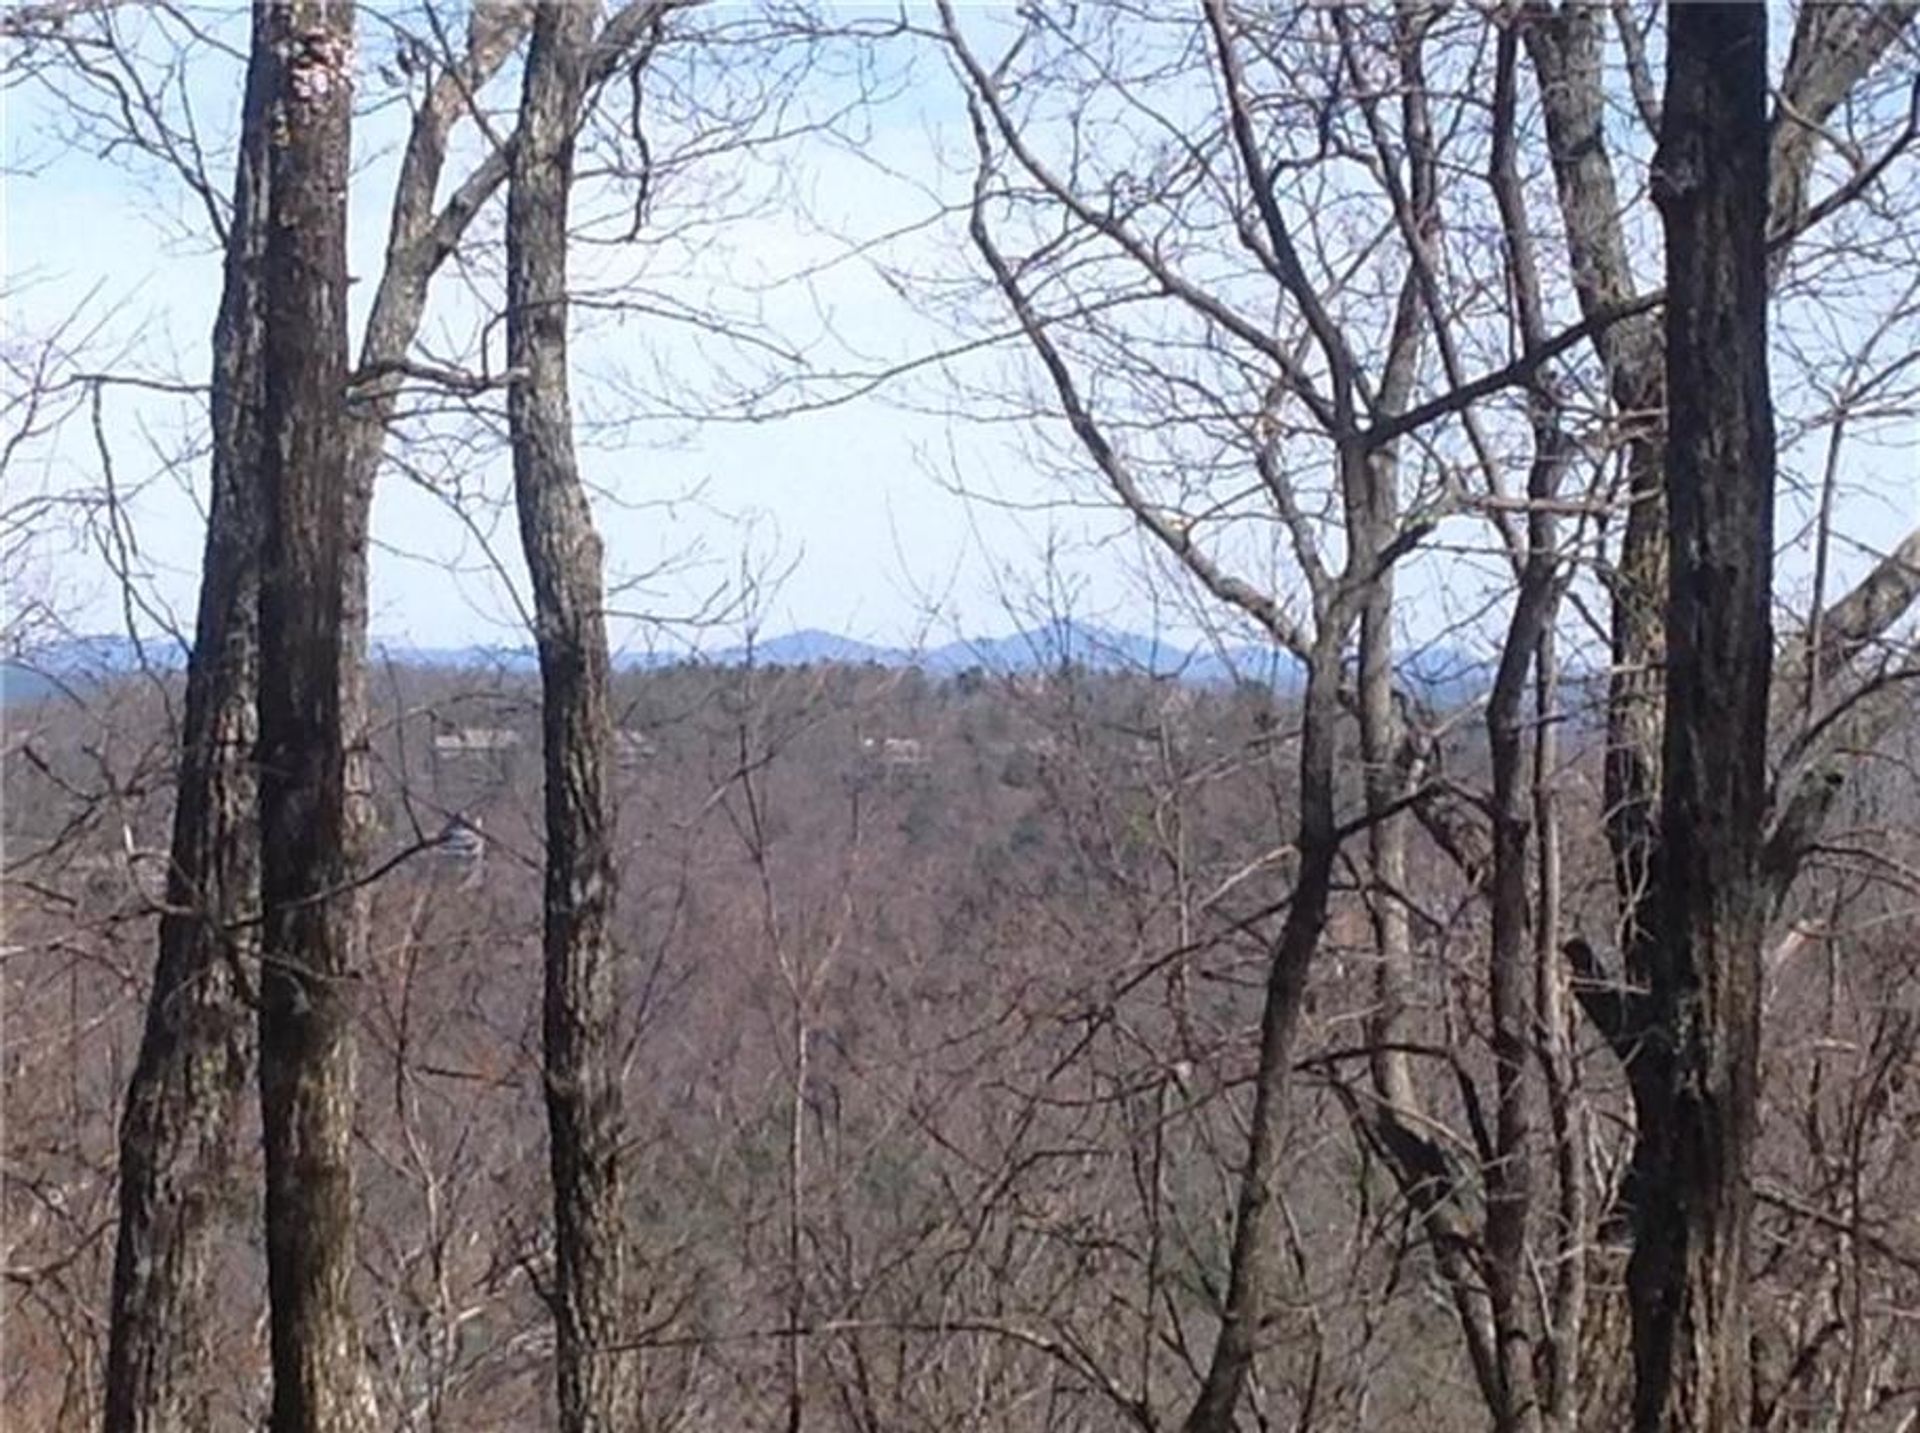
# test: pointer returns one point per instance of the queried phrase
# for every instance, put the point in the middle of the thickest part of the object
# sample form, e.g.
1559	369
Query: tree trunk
306	1037
1562	1376
595	1386
196	1053
176	1134
419	240
1492	1321
1567	50
1696	1080
1511	970
1257	1254
1538	1374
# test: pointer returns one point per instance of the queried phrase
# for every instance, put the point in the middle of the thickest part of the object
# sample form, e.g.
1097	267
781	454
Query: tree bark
1834	48
595	1385
306	1036
1696	1078
176	1133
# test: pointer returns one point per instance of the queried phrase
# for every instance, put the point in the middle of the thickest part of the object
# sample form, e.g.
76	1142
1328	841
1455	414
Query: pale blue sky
850	516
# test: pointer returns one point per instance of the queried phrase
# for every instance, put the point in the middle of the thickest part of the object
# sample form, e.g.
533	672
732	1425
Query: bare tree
580	1022
177	1129
1096	254
307	974
1312	389
1835	48
210	924
1689	1044
1142	1053
197	1052
1697	1071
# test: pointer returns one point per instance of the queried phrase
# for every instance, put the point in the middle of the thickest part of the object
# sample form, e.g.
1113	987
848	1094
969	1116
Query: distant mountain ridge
1050	645
1441	673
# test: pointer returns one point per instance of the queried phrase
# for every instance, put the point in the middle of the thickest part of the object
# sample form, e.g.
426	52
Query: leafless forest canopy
564	1041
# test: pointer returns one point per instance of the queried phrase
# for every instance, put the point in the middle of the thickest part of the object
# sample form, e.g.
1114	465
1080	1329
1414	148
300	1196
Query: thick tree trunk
595	1385
1696	1080
306	1037
176	1135
1834	48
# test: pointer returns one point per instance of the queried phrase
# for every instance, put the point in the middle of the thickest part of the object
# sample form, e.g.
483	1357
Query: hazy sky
879	516
851	517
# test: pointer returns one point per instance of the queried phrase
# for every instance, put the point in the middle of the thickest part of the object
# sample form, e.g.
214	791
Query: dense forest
932	1018
1064	1044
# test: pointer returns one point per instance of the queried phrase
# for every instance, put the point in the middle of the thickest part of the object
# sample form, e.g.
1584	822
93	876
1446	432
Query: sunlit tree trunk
595	1385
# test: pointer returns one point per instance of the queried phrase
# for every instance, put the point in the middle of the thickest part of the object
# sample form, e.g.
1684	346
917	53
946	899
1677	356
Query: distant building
1146	750
472	765
632	747
475	740
462	847
895	753
132	873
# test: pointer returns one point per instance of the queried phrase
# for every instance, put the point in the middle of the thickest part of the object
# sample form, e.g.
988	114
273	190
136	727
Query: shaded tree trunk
306	1037
1834	48
595	1386
1538	1374
1696	1076
176	1133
